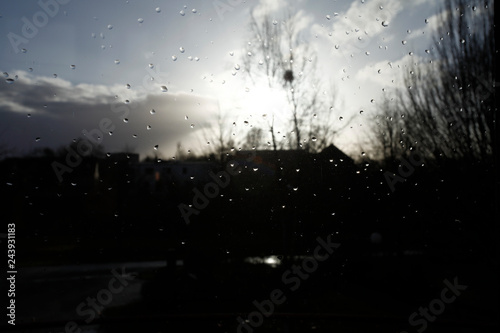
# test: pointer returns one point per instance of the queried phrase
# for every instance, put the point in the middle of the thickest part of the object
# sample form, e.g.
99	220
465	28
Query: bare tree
447	107
278	56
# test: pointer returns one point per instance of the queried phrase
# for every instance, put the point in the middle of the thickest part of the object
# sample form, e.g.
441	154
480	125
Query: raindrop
403	42
158	9
164	89
363	153
54	75
427	51
117	61
29	115
196	59
237	67
246	123
186	117
337	46
231	53
148	127
181	49
249	53
152	111
30	69
140	20
174	58
313	139
125	120
155	147
24	50
9	80
275	22
361	111
193	10
261	62
255	169
426	21
5	74
37	139
190	58
328	17
192	125
367	53
410	53
385	23
340	118
182	12
110	26
72	66
128	86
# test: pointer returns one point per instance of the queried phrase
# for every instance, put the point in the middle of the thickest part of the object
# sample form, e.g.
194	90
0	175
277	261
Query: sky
68	64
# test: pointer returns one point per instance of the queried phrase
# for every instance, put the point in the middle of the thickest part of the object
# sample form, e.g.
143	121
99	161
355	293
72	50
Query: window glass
252	165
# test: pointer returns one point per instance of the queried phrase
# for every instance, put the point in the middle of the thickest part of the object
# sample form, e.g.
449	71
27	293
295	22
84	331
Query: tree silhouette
447	107
278	56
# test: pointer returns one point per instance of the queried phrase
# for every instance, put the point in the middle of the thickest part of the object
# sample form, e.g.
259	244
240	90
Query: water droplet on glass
181	49
128	86
117	61
192	125
237	67
110	26
403	42
385	23
127	101
140	20
174	58
152	111
246	123
9	80
148	127
328	17
72	66
275	22
190	58
340	118
231	53
361	112
164	89
313	139
410	53
193	10
367	53
54	75
125	120
155	147
24	50
37	139
186	117
337	46
426	21
182	12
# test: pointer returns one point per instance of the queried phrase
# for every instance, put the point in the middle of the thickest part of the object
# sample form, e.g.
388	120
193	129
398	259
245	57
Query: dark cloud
57	112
